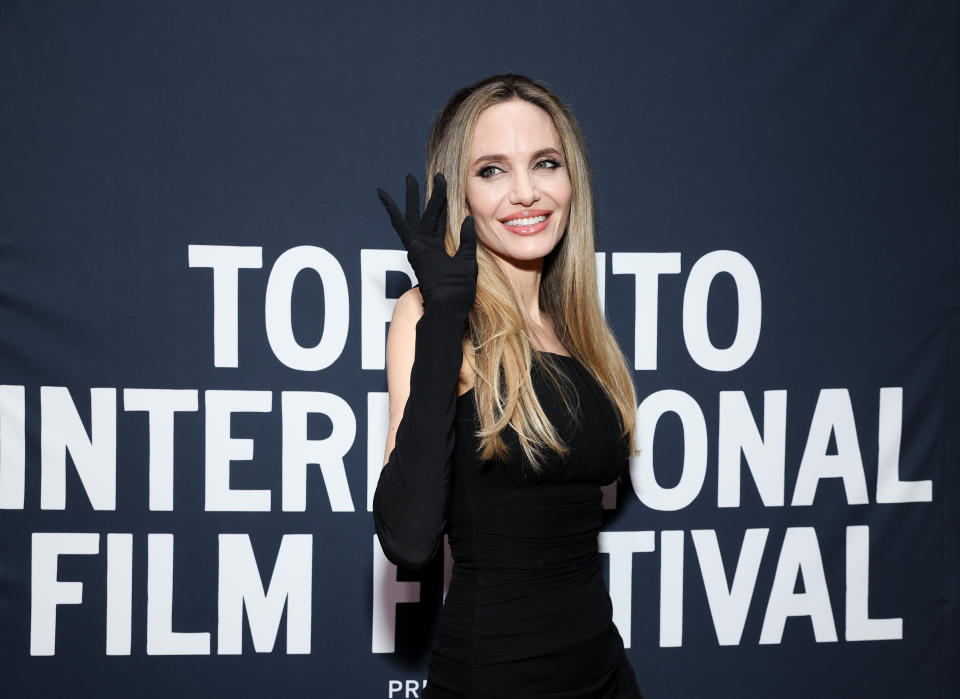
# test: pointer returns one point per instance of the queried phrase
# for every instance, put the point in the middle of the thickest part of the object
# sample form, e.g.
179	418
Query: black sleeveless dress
527	613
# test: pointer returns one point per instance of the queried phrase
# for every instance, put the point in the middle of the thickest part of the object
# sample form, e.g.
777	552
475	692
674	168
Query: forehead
514	127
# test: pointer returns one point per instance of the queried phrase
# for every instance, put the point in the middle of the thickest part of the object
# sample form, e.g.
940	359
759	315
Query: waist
490	555
527	600
490	618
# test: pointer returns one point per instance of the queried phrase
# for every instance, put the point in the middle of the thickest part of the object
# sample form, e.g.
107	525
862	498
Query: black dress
527	613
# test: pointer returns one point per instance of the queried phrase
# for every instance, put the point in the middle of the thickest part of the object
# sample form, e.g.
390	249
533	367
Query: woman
510	402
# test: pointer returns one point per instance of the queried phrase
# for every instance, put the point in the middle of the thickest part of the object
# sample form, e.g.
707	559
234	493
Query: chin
518	248
524	253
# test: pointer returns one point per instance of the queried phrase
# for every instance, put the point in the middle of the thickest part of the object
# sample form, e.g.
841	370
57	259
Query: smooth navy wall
789	168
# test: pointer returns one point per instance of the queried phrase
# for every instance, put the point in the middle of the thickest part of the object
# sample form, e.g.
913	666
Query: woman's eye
545	164
485	172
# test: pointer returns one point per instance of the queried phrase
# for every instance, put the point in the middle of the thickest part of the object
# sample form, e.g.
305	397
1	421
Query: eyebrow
500	156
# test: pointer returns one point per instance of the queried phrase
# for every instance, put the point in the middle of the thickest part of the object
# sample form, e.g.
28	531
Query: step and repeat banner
196	281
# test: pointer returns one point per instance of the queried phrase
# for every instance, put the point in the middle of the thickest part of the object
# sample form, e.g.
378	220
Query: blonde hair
502	354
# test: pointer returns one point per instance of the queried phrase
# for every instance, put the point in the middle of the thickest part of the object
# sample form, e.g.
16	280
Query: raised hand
446	283
409	504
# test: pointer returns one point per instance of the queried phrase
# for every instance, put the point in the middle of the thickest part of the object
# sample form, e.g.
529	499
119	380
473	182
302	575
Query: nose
524	191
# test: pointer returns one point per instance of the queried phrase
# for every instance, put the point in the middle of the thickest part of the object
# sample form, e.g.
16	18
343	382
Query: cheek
484	213
565	195
478	205
564	203
561	192
486	234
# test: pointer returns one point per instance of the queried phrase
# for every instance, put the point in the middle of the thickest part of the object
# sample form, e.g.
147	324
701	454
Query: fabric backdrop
196	281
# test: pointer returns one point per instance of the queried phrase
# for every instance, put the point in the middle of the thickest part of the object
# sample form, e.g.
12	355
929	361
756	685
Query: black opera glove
445	281
409	504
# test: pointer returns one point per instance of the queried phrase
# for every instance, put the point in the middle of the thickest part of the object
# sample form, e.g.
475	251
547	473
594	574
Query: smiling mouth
527	225
526	222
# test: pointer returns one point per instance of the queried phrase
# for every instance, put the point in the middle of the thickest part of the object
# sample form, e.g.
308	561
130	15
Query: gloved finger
396	218
441	227
434	217
468	239
413	202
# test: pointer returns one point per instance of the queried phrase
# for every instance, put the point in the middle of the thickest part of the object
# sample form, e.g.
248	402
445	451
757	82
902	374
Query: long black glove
409	505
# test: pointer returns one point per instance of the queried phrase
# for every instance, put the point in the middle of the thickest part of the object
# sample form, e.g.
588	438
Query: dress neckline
555	354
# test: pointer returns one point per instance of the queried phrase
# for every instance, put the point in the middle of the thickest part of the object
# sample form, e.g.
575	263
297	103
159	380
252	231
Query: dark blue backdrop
815	141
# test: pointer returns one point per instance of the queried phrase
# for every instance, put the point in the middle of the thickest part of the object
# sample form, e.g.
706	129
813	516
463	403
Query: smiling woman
518	184
511	403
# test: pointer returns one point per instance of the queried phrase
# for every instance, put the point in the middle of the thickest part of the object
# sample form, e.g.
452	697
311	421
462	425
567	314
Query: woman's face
518	186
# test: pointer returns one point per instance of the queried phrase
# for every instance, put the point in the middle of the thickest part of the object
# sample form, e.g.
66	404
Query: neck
524	278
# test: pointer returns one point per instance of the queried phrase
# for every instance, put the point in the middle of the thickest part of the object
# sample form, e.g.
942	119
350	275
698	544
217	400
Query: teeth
525	221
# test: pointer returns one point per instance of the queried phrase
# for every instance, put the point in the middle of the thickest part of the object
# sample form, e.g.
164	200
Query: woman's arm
401	340
424	354
409	504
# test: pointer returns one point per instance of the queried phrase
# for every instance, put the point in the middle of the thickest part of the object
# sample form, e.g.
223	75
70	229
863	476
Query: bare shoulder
401	345
409	307
401	337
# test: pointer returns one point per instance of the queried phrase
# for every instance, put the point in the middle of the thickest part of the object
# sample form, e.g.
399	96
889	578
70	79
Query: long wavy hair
499	348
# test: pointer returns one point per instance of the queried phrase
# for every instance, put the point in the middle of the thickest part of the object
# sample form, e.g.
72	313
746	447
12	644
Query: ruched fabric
527	613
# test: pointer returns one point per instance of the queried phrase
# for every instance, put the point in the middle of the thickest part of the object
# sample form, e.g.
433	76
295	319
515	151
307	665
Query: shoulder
409	306
403	327
402	338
